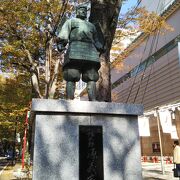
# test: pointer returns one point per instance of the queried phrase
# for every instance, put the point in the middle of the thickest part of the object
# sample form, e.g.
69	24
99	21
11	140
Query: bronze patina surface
82	55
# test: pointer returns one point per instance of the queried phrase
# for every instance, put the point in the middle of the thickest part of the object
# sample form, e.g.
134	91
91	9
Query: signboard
91	153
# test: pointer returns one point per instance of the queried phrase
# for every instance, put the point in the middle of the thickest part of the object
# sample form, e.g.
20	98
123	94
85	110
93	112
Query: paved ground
151	171
11	172
6	170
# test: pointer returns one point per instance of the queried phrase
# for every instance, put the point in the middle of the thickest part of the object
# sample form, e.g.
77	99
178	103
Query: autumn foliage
28	42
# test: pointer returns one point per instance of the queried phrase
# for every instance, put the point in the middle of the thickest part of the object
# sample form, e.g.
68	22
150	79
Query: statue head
81	12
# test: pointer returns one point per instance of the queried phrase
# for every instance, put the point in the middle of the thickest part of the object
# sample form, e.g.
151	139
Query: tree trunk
103	85
54	79
35	86
105	12
47	66
34	76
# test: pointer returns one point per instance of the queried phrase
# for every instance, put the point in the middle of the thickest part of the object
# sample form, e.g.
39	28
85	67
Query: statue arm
65	30
63	35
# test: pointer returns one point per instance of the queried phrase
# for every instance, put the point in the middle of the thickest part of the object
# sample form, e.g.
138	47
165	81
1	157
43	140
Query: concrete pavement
15	172
151	171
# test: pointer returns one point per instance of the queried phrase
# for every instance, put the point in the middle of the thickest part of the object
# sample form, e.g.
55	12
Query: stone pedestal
57	143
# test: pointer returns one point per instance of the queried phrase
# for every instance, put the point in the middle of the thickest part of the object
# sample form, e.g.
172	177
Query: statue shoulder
68	21
71	22
91	25
75	21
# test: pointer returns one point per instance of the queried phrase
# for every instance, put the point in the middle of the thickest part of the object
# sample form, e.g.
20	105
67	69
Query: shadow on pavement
150	178
154	171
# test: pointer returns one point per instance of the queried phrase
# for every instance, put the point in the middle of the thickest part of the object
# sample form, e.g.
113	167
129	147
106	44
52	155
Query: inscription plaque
91	153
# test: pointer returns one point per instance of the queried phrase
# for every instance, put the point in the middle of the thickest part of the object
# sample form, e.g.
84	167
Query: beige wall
156	5
138	54
161	87
161	81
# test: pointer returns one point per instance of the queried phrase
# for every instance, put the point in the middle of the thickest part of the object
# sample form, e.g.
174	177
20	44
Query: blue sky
127	5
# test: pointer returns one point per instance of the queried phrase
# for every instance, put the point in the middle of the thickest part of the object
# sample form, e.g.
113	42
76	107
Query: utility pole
160	141
179	51
25	140
14	145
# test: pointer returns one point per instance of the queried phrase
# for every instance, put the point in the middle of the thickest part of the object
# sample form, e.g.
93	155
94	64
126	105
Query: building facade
152	77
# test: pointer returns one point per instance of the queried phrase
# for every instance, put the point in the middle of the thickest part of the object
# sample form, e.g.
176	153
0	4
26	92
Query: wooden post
160	141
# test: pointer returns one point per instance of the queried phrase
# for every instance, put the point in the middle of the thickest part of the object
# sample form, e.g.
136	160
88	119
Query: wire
142	76
150	52
137	69
150	70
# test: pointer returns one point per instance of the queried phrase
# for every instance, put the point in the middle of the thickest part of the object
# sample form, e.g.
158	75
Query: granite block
91	107
122	156
56	149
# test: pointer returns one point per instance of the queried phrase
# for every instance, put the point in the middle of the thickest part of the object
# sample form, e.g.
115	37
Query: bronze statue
82	55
